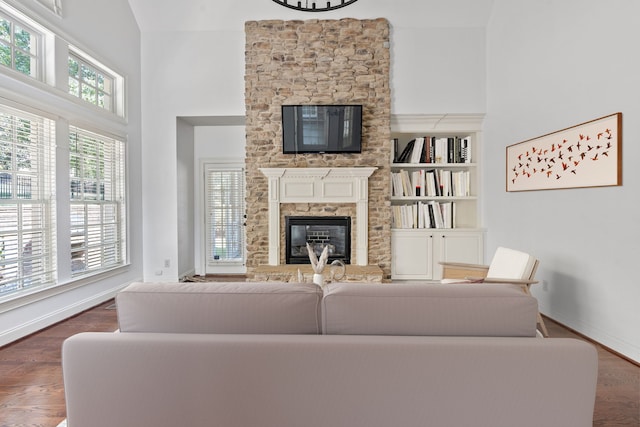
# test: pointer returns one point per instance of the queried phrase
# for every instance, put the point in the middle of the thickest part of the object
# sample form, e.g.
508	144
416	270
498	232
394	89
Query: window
313	125
19	46
26	201
39	251
97	194
225	214
90	83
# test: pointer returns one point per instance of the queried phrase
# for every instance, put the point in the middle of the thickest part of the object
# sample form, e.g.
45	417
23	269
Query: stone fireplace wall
317	62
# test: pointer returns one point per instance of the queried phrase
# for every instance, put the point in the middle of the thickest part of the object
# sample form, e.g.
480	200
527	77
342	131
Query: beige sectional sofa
349	355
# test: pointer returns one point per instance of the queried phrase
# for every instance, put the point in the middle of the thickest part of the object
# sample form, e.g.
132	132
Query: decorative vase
318	279
338	270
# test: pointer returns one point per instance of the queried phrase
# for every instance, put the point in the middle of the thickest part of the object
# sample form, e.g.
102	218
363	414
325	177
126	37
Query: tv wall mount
313	5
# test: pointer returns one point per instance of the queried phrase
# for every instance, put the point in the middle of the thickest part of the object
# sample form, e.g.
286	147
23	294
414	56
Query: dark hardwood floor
31	389
32	394
618	392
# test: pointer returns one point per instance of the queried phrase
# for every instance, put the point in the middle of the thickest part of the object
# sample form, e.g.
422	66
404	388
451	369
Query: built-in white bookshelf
435	193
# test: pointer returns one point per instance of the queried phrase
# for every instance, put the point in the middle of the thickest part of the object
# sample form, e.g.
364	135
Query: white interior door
224	205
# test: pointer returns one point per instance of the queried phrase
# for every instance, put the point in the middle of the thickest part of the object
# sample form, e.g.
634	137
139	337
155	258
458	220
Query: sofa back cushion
511	264
220	308
428	309
198	380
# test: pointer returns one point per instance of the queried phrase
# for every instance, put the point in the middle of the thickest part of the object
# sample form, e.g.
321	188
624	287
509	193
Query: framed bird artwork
584	155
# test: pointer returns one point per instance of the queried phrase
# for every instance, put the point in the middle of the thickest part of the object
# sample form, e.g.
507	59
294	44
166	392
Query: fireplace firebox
318	231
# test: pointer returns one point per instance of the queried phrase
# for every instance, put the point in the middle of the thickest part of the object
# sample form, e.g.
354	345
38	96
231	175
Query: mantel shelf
426	198
432	165
289	273
320	173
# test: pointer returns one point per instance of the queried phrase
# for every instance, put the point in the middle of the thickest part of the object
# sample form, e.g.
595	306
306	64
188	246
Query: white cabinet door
412	254
416	254
458	247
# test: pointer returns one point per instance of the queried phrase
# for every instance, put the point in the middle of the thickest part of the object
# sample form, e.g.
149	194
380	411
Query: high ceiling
225	15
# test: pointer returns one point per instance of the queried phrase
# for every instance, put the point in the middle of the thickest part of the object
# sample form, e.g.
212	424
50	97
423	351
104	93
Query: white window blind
98	209
27	210
225	215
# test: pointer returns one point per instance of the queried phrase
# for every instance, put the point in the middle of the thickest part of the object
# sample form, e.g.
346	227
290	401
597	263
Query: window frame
84	61
42	232
37	33
116	182
48	95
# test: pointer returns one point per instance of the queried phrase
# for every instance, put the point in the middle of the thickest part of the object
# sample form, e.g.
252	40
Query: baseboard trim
592	341
24	330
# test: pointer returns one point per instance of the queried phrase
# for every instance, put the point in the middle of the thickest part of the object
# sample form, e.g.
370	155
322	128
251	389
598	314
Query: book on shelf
417	180
431	214
460	182
396	184
440	150
430	183
418	149
407	185
465	150
426	152
433	187
405	155
446	208
431	149
394	146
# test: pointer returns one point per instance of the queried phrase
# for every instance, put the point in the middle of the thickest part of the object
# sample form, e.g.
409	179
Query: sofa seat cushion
220	308
429	309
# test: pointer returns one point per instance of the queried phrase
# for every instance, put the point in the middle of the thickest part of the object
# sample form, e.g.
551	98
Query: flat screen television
321	129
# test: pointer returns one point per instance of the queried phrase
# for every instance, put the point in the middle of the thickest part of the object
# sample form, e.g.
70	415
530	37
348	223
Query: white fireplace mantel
319	185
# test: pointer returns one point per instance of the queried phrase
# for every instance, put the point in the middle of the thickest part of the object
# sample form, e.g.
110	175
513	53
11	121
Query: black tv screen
321	128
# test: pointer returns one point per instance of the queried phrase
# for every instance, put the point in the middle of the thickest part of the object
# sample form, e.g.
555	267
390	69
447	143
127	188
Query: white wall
201	73
437	70
117	46
185	148
185	74
552	65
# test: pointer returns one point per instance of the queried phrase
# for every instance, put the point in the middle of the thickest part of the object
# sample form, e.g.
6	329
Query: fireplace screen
318	231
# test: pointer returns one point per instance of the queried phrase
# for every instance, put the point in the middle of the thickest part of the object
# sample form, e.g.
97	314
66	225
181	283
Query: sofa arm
510	281
460	270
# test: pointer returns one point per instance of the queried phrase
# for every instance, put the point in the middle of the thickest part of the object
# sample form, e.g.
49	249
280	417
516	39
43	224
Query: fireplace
319	185
318	231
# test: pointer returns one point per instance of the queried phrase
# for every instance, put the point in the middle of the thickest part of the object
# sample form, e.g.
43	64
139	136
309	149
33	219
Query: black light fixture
313	5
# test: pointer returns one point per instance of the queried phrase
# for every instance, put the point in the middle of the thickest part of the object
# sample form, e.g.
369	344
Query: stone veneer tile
317	62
